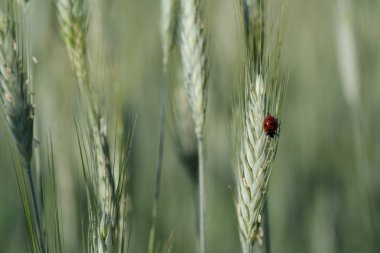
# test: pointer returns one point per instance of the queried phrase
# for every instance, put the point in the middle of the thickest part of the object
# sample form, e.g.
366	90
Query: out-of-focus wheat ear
169	24
346	49
73	20
194	60
195	70
15	96
72	17
14	88
350	80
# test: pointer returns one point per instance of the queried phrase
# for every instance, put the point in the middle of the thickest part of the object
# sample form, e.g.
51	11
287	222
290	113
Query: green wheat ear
181	116
194	57
15	97
14	87
106	198
262	93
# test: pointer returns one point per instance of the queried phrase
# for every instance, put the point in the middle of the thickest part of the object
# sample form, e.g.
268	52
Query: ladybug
270	126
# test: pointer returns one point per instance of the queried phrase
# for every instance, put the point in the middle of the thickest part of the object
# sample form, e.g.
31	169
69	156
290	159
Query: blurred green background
316	201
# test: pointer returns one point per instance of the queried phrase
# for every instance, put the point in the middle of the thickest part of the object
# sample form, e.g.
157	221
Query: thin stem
202	198
196	205
161	138
266	227
35	207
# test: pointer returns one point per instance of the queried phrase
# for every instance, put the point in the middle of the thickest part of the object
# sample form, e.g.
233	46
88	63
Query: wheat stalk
263	92
168	23
194	61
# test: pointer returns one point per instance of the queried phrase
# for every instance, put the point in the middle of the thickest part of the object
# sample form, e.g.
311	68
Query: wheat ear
15	95
103	232
262	94
180	111
169	16
194	60
195	71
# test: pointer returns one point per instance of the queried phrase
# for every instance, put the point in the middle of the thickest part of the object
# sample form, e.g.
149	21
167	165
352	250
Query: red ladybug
270	126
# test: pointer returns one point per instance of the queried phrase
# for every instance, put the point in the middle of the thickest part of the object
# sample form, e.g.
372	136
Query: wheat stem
168	23
161	138
202	197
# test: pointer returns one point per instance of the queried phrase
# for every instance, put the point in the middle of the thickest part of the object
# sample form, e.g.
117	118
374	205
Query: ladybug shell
270	125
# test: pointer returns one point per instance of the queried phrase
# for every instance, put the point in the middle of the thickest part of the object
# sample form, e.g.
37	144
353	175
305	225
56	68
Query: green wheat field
134	126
